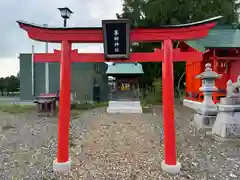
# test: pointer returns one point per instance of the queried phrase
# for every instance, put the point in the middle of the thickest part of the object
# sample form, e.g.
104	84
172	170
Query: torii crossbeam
67	36
156	56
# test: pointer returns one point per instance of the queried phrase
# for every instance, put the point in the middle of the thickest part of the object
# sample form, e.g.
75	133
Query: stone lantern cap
208	73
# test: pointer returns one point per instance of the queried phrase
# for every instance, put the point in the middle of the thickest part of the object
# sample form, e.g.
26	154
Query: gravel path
202	157
118	147
28	145
111	147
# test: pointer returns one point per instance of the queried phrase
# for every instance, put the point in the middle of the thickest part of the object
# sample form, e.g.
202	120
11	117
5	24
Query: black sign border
116	56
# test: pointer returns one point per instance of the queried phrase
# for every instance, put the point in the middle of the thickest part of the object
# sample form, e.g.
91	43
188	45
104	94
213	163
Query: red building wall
234	71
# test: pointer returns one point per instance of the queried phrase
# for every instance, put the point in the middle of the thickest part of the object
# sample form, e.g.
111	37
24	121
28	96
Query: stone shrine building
125	98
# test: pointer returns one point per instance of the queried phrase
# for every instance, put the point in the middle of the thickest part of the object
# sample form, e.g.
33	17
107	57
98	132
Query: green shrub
154	95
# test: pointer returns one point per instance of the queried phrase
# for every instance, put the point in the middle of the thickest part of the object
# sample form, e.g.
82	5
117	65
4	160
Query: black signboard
116	34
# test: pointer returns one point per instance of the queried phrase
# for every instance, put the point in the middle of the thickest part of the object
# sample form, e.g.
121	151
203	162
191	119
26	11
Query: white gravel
28	148
28	145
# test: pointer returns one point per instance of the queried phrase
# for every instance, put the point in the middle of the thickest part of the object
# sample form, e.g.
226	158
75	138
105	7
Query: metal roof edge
196	45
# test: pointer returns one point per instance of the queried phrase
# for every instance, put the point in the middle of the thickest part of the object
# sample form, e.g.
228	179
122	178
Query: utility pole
46	69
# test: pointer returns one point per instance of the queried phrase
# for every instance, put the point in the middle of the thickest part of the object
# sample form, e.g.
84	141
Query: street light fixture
65	13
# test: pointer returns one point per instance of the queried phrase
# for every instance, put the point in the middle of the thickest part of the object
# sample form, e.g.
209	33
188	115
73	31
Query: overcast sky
14	40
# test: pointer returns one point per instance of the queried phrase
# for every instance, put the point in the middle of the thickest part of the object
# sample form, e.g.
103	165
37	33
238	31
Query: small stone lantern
208	78
205	117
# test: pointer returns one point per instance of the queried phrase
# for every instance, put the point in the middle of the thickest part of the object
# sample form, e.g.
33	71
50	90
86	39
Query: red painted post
64	103
168	104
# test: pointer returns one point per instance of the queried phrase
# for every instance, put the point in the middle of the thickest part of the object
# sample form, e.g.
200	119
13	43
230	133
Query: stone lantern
206	115
208	78
227	124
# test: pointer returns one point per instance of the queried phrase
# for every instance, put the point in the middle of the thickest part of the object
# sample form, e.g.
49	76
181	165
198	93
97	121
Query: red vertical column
64	103
168	104
214	65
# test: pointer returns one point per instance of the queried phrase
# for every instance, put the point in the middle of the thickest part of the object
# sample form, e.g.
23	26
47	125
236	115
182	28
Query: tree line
166	12
9	84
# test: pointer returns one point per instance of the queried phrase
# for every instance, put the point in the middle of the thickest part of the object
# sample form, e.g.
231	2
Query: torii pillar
66	36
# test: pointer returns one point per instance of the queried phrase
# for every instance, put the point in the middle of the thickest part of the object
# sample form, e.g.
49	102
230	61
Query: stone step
124	109
124	103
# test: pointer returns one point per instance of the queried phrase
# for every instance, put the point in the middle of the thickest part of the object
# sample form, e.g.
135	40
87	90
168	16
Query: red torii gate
166	55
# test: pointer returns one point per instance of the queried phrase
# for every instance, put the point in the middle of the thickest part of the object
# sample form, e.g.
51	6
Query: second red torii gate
67	36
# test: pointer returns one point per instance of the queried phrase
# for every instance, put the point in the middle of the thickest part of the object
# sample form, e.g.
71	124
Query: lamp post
65	13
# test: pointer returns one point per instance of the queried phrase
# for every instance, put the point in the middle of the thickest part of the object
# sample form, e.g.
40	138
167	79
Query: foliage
18	75
185	11
154	94
9	84
2	85
12	84
162	12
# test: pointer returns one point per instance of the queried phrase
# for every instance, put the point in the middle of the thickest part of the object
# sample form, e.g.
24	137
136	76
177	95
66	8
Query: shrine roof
125	68
219	37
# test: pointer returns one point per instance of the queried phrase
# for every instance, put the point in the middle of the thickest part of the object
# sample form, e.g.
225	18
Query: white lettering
116	32
116	44
116	49
116	38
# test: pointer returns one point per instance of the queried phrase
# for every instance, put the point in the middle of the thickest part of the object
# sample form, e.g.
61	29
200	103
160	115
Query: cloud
14	40
9	66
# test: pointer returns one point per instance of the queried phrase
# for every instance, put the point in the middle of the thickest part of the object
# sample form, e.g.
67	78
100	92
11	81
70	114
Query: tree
184	11
18	75
162	12
11	84
2	85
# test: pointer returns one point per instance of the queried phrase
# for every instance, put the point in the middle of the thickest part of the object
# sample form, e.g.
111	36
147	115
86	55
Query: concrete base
204	122
124	107
61	167
227	125
192	104
171	169
222	140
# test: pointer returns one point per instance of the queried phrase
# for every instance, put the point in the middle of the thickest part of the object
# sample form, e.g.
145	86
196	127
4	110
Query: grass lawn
75	108
16	109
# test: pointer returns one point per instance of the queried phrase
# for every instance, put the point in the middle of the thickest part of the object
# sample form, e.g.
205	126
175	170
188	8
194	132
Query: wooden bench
46	103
